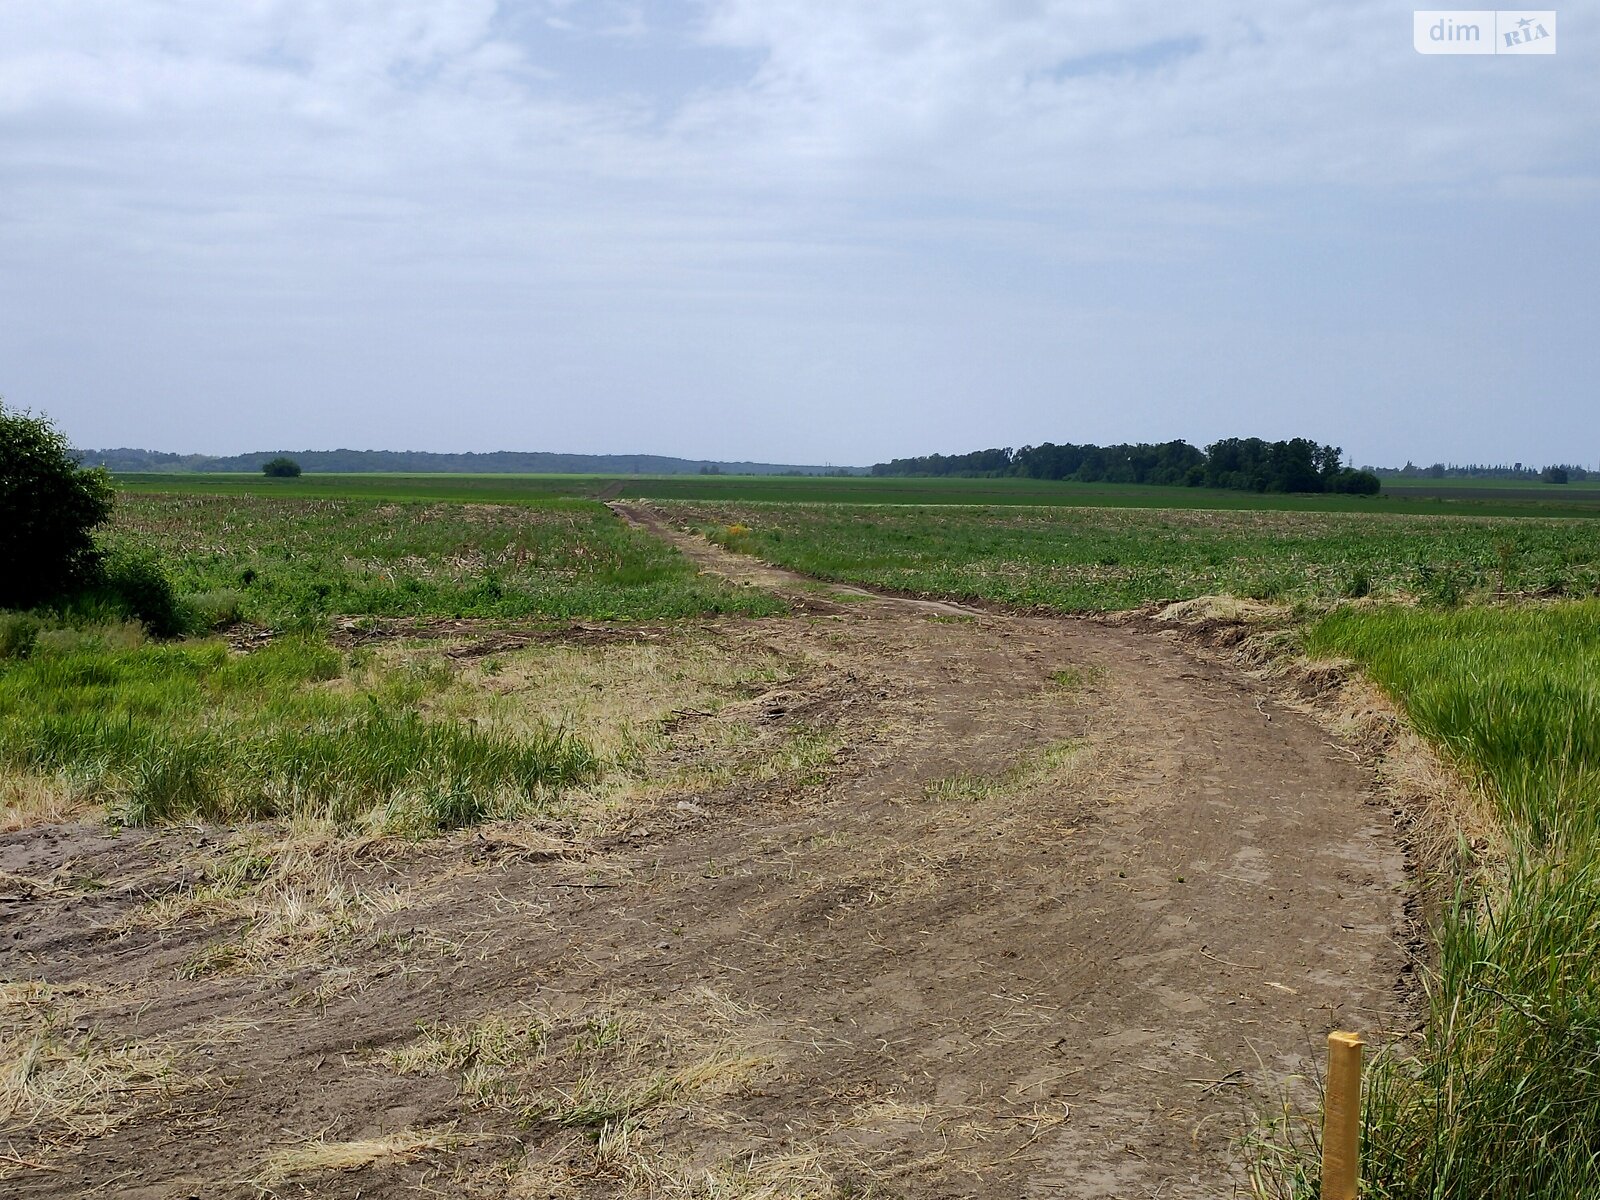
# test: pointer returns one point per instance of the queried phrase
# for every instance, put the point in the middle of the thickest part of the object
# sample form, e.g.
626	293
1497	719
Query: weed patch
167	732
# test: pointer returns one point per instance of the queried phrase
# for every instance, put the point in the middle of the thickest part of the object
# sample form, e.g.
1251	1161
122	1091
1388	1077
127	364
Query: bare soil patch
955	904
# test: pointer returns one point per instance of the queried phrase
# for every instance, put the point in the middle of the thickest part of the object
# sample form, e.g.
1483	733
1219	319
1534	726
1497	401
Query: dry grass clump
636	1174
319	1156
619	695
614	1071
58	1081
1231	609
669	718
294	900
30	800
584	1066
1055	763
290	925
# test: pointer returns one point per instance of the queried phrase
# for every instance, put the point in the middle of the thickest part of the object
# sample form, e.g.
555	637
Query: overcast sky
795	230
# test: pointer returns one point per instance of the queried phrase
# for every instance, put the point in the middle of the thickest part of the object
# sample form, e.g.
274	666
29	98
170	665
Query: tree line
1246	464
1554	473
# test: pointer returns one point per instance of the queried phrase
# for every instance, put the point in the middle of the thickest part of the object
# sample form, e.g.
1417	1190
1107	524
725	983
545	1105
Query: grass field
156	732
1100	559
1584	494
283	560
1529	500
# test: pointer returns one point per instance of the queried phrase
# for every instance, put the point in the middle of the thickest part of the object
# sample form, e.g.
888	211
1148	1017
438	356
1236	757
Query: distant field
1543	500
290	558
1103	559
1522	490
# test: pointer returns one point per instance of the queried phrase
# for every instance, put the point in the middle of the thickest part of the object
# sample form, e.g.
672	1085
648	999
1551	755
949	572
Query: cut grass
320	1157
291	923
601	1068
58	1081
1028	772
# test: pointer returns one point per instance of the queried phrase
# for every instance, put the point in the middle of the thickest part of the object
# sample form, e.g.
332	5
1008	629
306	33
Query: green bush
135	583
49	509
281	467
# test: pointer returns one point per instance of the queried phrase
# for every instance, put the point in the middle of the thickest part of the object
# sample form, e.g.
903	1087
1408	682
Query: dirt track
1020	940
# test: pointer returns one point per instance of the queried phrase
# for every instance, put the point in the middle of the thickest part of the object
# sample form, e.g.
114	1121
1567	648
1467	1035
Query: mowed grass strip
1501	1097
1098	559
284	561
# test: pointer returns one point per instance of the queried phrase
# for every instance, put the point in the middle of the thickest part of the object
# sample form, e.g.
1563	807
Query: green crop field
1530	500
1582	494
282	560
1097	559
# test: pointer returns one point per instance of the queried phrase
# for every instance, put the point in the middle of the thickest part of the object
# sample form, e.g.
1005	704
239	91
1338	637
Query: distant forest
1247	464
505	462
1557	473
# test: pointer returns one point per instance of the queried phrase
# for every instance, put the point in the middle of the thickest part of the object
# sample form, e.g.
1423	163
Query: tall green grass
1501	1097
1514	694
167	732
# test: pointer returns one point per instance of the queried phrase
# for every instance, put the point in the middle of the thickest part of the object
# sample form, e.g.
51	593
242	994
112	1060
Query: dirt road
1061	904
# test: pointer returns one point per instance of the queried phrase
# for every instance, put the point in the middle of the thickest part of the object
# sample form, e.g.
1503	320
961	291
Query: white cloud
278	161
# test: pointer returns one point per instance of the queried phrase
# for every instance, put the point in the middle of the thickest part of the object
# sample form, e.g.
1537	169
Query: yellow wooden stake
1341	1118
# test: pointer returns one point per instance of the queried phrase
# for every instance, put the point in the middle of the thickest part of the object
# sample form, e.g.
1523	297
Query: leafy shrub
49	508
136	583
281	467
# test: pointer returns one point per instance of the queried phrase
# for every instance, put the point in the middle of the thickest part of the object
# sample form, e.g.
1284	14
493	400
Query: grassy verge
161	732
1500	1095
285	561
1105	559
395	738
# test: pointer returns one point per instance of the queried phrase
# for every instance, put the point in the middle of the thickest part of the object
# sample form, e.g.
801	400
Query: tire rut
1233	892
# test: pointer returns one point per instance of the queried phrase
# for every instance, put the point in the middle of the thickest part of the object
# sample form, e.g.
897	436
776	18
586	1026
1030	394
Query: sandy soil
1066	903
